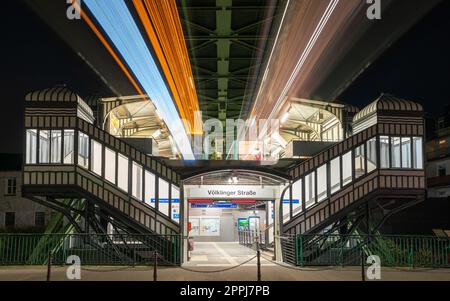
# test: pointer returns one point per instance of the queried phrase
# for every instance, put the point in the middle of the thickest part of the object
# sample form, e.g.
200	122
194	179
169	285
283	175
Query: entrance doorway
228	214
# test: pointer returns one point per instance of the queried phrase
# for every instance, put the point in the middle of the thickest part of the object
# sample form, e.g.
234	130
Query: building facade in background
438	157
18	213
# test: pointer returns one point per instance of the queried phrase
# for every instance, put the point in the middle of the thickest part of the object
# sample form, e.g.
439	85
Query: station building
340	170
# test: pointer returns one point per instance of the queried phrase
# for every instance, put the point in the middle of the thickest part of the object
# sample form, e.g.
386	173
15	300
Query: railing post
155	266
49	265
258	259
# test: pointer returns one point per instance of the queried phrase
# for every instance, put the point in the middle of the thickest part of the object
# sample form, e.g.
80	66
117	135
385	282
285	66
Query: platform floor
223	254
244	273
216	259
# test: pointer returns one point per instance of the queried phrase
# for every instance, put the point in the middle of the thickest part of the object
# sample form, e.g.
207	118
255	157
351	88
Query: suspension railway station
107	185
135	176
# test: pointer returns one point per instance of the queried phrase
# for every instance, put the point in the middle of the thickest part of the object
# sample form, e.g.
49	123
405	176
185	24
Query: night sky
417	67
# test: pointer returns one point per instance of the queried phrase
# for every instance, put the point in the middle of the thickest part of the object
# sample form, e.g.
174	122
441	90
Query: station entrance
228	214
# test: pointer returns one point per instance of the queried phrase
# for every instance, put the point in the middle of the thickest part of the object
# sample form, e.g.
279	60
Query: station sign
165	200
234	192
214	205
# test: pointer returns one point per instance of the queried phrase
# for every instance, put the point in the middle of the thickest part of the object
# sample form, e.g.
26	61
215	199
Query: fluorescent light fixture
117	22
277	151
280	140
156	134
285	117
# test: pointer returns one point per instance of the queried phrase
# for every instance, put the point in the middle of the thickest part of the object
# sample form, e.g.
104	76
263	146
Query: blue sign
165	201
294	201
214	205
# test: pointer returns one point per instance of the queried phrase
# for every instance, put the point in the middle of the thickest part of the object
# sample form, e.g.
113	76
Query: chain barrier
209	271
109	270
261	255
297	268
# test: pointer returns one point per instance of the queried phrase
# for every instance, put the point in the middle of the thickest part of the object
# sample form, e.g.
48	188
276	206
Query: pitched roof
387	102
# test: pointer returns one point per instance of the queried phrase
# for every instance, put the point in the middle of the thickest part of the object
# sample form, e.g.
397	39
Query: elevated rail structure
351	187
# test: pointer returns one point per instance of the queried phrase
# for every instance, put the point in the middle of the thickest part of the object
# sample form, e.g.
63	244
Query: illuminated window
31	146
384	152
335	171
310	190
395	152
322	183
122	172
137	181
68	151
406	152
296	197
418	152
163	199
83	150
149	188
96	157
110	165
371	155
44	146
347	167
360	161
55	144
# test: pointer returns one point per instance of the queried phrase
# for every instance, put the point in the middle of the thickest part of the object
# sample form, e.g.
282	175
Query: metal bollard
49	265
258	259
155	266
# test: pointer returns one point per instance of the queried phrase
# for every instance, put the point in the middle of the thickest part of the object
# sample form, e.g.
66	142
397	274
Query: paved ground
209	257
223	254
239	274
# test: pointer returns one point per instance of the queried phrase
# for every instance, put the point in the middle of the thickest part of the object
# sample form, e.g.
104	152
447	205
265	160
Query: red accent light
200	201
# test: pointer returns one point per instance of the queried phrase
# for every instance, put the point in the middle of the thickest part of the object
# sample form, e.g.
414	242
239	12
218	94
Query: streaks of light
298	67
116	20
163	27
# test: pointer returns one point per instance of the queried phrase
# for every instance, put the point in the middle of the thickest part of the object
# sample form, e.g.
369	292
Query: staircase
57	127
380	172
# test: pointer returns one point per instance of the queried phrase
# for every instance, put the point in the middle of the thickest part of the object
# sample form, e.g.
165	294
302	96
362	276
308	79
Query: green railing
92	249
393	251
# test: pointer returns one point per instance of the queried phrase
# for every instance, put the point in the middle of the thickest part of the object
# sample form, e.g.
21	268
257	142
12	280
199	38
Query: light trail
270	58
118	23
162	25
312	41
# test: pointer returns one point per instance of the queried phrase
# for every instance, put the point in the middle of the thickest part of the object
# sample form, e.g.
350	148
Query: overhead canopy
65	95
137	117
388	104
235	177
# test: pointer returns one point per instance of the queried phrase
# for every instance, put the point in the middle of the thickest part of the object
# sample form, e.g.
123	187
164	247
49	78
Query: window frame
8	186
